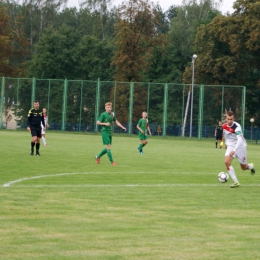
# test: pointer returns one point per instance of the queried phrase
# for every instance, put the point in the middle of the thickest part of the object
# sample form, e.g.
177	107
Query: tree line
134	42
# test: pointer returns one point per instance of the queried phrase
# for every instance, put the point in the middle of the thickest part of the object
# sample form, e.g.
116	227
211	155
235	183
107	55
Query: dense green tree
94	57
228	50
39	15
55	54
184	26
69	17
100	18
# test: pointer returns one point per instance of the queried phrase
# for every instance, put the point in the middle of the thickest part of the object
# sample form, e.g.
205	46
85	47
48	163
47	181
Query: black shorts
218	137
36	132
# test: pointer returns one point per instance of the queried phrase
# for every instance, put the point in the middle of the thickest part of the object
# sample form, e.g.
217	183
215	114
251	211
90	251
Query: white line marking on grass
127	185
8	184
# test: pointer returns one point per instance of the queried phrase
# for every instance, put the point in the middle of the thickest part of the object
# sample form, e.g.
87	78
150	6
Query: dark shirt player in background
219	134
34	120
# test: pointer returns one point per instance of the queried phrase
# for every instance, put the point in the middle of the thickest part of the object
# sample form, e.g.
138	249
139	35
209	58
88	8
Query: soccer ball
223	177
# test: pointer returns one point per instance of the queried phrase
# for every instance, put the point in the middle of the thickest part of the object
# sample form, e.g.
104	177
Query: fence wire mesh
75	105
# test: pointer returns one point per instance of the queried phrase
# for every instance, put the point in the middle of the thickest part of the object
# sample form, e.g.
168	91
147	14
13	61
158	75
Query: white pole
192	90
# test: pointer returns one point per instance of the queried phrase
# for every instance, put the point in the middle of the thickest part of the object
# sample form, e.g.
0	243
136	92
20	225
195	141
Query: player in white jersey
235	147
44	111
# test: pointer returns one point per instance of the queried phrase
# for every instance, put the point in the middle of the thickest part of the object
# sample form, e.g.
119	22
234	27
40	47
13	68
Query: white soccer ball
223	177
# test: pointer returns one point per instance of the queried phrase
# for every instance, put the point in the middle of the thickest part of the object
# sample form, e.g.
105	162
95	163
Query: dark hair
230	113
35	101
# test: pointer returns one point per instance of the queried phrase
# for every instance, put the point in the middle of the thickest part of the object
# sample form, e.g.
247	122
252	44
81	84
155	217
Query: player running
236	147
143	127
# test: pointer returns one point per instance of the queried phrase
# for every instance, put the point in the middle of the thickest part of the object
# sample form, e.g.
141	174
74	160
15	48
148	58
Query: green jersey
142	123
107	118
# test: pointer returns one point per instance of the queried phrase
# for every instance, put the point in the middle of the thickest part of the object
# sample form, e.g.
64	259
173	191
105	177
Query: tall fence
75	105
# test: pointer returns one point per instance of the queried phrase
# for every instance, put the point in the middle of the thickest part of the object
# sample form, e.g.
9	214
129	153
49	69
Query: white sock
232	173
250	166
44	140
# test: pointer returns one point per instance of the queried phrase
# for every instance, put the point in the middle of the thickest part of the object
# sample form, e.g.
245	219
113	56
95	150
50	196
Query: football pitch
164	204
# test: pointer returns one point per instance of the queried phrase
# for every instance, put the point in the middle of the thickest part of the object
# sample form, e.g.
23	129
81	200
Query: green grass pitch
164	204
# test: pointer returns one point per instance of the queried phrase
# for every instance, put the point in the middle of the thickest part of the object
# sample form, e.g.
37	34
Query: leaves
136	38
13	46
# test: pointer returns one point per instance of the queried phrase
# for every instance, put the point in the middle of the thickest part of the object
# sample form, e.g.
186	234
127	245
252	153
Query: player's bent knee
244	167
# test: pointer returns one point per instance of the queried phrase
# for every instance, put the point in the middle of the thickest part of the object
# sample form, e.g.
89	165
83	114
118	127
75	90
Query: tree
184	26
13	47
136	38
102	17
39	14
95	57
228	49
55	55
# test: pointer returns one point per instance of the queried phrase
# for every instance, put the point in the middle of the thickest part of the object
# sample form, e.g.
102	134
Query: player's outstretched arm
119	124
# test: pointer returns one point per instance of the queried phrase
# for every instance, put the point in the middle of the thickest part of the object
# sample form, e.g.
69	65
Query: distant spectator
159	130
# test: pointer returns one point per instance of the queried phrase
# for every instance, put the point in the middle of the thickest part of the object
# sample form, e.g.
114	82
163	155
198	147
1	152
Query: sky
226	5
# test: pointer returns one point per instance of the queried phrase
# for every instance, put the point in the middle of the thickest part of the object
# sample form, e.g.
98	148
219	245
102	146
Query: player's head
108	107
230	118
219	123
144	114
36	104
44	110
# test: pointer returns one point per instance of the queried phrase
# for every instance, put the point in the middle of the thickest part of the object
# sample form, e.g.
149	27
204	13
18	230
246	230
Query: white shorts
240	154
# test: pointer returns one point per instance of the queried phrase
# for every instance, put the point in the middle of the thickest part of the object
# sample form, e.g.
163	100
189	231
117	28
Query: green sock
140	147
104	151
109	154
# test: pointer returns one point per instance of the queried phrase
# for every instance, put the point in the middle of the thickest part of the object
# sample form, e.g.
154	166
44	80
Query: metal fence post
201	101
222	103
33	91
243	109
48	102
2	102
81	105
64	107
148	99
97	104
130	118
165	107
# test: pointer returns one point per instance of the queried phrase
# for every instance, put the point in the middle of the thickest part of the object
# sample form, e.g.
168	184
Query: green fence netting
75	105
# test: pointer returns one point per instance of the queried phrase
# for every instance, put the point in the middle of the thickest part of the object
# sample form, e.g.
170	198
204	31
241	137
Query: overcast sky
225	7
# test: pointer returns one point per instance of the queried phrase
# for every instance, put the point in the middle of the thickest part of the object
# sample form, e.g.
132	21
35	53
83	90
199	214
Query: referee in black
219	134
34	119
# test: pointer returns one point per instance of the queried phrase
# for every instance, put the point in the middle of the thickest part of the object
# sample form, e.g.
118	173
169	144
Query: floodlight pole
194	57
252	120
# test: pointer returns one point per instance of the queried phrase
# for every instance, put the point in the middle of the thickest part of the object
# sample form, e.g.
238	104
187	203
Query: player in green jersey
143	127
105	120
